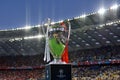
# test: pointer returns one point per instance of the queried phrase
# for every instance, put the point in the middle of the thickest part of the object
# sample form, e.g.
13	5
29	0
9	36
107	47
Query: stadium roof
88	31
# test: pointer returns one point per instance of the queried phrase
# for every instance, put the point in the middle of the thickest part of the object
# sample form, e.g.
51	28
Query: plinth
58	72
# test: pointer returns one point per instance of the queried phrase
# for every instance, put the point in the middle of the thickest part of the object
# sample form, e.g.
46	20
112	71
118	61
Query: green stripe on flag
56	47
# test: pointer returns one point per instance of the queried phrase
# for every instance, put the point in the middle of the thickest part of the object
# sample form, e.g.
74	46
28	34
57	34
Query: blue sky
19	13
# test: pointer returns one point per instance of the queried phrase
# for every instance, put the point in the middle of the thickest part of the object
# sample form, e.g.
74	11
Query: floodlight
115	6
77	17
32	37
27	27
45	24
52	23
60	21
83	16
101	11
37	25
38	36
68	19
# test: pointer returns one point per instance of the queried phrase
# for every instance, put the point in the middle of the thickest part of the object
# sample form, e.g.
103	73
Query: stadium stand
93	49
97	73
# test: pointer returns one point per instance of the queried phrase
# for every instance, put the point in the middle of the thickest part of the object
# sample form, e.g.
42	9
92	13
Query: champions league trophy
57	37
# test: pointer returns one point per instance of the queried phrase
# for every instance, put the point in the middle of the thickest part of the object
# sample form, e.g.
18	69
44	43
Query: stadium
94	48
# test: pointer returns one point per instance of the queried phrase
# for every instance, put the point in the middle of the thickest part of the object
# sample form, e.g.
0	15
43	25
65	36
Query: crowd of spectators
29	67
22	74
108	53
111	72
21	61
92	55
103	72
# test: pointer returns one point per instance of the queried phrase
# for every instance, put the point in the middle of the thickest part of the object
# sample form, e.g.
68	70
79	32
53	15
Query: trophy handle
69	30
47	50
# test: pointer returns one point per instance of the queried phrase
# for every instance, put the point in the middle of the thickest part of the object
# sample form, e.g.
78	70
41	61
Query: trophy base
57	61
58	72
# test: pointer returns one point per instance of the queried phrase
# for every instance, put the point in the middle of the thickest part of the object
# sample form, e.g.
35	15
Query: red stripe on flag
65	54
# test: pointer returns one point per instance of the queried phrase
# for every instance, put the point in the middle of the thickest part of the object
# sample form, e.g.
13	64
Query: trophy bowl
58	36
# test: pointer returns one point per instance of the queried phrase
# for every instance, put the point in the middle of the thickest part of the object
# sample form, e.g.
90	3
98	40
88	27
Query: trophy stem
57	61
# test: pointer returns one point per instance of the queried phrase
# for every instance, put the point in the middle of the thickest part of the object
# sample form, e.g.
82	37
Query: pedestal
58	72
